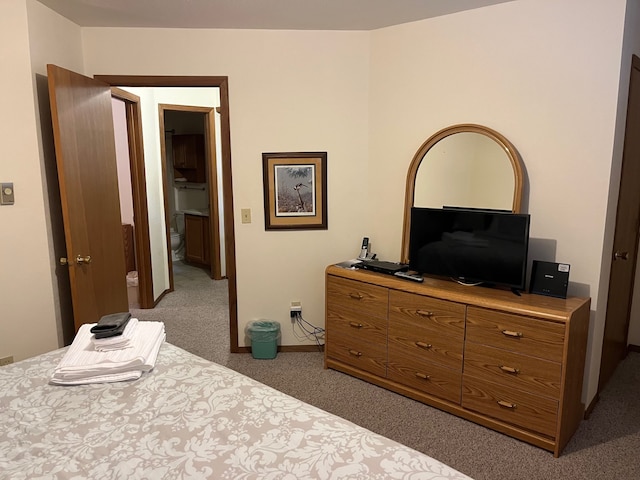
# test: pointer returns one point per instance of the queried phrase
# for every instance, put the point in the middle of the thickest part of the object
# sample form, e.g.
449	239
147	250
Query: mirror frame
506	145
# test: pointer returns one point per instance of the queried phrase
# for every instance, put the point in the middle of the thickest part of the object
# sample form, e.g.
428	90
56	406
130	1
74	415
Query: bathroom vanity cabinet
196	239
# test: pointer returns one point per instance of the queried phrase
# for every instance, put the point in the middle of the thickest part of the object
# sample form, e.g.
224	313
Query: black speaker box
549	278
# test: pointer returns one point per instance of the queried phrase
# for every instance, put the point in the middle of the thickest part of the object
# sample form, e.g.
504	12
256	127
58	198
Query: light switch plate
6	194
245	213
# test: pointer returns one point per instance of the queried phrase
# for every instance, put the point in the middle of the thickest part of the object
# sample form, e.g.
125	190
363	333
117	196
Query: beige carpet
607	446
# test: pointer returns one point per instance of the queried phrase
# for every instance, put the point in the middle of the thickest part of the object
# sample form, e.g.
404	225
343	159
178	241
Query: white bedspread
186	419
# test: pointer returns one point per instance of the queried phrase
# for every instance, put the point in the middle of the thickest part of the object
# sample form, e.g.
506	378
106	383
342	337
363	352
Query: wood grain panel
525	335
423	375
426	328
513	370
520	408
361	297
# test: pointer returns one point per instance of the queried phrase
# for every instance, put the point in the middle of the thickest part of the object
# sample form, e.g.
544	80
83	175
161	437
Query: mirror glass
464	165
465	169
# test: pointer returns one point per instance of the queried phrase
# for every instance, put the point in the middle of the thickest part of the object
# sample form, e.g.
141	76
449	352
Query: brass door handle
64	261
621	256
80	259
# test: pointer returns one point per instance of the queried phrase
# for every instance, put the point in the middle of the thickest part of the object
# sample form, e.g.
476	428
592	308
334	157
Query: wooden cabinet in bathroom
196	239
189	157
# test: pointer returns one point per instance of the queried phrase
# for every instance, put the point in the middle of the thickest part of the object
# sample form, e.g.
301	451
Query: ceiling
257	14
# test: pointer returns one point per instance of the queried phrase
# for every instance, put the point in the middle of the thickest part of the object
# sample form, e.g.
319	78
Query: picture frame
295	190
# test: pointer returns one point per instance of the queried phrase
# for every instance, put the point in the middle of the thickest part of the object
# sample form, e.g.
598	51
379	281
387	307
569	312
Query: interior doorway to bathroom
188	150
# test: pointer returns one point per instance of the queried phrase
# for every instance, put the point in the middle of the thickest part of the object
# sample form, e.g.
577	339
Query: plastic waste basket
264	338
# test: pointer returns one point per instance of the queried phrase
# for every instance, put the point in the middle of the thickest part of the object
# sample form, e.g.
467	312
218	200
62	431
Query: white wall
543	73
122	160
288	91
30	321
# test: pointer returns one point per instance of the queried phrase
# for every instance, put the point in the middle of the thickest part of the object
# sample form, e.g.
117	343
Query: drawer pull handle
507	369
355	325
423	376
510	333
426	346
356	296
355	353
424	313
509	405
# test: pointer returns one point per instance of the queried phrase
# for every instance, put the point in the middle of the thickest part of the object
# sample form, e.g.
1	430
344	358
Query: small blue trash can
264	338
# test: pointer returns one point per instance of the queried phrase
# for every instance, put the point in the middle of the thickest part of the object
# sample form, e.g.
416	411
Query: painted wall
31	320
123	161
289	91
543	73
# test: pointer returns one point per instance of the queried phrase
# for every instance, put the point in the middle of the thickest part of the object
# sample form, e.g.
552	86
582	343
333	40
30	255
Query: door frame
222	82
133	116
606	367
212	180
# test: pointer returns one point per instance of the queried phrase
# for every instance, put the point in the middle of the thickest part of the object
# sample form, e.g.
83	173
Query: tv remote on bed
416	277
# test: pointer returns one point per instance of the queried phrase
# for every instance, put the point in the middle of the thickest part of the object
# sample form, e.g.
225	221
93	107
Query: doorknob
621	256
80	259
64	261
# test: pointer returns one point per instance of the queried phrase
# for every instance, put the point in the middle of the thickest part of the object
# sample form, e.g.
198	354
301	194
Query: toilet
176	244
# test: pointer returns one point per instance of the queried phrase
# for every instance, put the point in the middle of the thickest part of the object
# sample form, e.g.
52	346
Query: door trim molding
139	190
222	82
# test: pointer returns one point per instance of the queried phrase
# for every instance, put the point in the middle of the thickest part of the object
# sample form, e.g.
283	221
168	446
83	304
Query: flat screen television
471	246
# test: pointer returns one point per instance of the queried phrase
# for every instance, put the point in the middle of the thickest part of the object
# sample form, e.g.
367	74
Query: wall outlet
6	360
296	309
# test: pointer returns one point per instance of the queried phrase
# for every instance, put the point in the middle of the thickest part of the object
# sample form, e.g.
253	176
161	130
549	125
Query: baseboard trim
633	348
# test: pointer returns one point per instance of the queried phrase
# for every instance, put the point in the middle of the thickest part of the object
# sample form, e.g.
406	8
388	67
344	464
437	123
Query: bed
187	419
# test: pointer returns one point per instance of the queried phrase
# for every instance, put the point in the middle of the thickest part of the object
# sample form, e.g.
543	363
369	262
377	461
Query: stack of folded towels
116	348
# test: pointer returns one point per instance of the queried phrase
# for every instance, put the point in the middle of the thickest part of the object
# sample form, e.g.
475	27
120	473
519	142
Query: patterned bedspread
187	419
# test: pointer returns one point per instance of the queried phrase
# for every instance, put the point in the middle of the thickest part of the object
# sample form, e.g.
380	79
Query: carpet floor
606	446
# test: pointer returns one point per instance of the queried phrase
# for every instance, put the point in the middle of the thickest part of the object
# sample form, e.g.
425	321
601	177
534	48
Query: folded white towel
83	364
118	342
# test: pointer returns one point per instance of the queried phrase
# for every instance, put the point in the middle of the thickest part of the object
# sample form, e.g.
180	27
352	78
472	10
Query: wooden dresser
511	363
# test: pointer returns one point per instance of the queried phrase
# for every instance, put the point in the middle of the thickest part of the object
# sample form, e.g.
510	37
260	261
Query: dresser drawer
370	300
425	376
513	370
354	351
509	405
426	328
530	336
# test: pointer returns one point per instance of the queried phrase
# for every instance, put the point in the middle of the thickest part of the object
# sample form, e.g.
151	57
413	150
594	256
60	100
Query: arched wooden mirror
463	165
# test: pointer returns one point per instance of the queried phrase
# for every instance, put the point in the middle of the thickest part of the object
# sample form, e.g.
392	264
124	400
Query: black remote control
416	277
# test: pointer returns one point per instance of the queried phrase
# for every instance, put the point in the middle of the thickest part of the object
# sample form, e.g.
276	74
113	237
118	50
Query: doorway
625	242
225	164
189	152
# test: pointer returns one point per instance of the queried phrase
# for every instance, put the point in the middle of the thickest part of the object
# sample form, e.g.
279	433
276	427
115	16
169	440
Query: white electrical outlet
296	309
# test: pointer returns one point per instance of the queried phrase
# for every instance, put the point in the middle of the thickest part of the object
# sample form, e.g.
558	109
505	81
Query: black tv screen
470	246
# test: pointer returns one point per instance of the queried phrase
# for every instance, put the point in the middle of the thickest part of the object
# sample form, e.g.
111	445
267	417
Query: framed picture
295	190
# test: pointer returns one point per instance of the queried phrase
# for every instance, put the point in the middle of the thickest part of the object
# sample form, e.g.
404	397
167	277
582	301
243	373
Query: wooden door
86	159
625	242
196	239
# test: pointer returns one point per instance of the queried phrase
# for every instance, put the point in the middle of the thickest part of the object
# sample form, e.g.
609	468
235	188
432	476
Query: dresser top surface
556	309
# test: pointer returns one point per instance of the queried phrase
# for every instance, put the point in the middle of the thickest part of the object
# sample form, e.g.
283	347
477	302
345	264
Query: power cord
307	330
